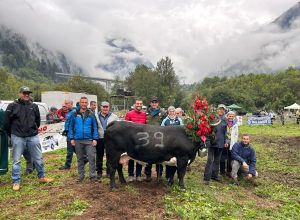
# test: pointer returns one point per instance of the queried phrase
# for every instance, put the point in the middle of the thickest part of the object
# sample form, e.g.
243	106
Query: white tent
293	106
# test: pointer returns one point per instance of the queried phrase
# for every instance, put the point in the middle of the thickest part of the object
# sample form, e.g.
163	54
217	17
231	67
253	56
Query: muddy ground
136	200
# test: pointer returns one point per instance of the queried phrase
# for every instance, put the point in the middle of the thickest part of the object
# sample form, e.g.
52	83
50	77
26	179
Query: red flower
199	133
189	126
212	117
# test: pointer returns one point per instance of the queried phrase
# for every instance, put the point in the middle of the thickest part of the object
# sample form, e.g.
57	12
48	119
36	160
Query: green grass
77	207
276	130
35	200
274	194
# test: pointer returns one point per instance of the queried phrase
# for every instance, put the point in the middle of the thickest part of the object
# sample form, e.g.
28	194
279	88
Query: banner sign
239	120
51	137
254	120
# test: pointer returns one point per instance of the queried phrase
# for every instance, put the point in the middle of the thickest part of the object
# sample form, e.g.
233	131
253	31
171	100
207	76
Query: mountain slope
272	48
30	60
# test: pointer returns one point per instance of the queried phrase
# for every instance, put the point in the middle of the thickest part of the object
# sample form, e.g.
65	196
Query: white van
43	108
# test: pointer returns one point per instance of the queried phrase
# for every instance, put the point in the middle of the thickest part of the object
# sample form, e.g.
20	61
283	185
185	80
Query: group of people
227	156
85	128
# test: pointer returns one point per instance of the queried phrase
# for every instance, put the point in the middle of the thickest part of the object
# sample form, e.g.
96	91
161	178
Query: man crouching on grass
243	159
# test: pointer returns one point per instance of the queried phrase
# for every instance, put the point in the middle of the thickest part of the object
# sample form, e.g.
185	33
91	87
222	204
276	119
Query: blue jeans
70	151
32	144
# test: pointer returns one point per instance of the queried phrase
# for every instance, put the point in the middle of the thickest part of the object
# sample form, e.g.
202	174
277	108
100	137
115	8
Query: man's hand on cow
94	143
72	142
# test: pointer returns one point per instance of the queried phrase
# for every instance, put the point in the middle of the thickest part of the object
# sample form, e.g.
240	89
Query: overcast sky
188	31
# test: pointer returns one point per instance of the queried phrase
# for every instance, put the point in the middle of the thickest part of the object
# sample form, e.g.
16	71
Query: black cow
147	143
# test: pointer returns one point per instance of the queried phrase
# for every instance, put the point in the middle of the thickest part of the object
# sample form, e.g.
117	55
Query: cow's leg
113	166
112	172
181	170
121	176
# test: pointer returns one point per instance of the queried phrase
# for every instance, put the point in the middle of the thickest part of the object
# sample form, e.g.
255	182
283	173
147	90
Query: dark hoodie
22	118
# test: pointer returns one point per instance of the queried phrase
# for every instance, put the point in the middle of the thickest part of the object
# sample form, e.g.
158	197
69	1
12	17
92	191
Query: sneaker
148	179
235	181
45	180
16	186
218	178
139	179
80	180
94	179
27	172
130	179
205	182
64	168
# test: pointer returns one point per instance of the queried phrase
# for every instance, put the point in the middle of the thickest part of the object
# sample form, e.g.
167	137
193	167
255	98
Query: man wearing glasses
21	123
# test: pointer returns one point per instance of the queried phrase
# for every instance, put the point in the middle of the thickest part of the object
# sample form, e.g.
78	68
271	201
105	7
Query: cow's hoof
170	183
113	189
123	181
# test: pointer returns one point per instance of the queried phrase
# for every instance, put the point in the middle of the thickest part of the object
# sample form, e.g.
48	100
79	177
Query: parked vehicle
43	108
49	142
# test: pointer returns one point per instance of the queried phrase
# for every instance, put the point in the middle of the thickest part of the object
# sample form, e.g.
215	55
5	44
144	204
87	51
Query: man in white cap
104	117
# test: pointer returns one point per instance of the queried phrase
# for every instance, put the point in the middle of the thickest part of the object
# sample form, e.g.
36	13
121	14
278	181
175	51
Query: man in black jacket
21	123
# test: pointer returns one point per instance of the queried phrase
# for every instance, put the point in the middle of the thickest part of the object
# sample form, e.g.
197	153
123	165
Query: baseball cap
104	103
154	98
221	106
25	89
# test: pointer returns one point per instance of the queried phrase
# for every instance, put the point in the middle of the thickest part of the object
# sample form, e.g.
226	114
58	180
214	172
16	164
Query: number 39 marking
144	137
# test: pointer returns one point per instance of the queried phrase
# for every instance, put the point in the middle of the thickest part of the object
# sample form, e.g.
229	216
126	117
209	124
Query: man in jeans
243	159
138	116
21	122
83	134
70	149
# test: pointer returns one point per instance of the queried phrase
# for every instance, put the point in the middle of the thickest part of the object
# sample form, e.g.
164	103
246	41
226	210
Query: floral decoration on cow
200	125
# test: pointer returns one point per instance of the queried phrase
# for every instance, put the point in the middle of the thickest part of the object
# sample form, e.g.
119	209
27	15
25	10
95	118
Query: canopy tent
293	106
234	106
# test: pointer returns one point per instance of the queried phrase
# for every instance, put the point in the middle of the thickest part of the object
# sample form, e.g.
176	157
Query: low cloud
199	36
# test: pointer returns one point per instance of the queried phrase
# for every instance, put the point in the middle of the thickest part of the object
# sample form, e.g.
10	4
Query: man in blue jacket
83	134
243	159
70	148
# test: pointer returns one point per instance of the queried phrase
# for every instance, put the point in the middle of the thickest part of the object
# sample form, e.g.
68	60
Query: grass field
274	195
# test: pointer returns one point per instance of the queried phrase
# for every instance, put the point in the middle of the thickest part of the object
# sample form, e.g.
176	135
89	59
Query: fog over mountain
201	37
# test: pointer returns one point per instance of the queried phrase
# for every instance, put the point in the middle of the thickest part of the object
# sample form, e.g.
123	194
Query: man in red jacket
138	116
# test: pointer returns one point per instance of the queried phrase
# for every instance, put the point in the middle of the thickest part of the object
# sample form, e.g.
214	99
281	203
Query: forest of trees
20	66
254	91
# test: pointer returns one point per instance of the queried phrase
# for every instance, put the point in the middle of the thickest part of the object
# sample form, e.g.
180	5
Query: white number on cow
144	137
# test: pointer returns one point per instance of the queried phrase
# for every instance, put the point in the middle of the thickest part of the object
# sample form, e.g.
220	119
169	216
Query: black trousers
170	171
213	163
159	169
225	163
100	147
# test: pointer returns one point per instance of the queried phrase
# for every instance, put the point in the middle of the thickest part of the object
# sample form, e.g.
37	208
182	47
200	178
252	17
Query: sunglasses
104	106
